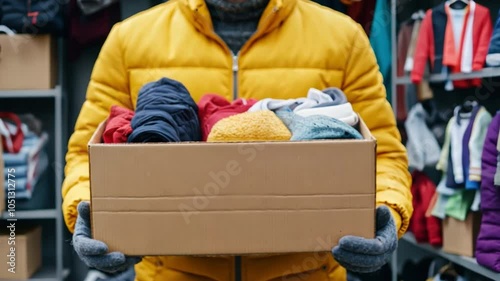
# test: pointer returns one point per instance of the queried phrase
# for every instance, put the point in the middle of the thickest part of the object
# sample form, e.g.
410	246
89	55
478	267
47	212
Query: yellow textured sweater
250	126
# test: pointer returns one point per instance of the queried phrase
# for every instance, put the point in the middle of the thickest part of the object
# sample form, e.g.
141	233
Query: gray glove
94	253
361	255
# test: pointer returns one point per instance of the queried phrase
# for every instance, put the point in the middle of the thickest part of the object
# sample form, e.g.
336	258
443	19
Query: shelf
484	73
466	262
32	214
30	93
46	274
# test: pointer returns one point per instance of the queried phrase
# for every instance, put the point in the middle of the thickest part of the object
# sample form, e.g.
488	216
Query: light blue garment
380	39
21	158
19	184
316	127
337	96
18	171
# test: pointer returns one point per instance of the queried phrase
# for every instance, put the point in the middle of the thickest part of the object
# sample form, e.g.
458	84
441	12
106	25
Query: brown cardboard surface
231	198
27	62
465	243
28	253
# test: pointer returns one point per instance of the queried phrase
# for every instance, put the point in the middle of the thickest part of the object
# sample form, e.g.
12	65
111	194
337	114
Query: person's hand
94	253
361	255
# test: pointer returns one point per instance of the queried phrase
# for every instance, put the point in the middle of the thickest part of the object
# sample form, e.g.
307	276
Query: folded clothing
331	102
212	108
316	127
31	146
249	126
339	108
25	186
165	112
314	97
11	132
118	126
21	170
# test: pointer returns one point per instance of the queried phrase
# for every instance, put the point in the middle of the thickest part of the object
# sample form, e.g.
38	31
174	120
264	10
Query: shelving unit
34	214
484	73
466	262
53	271
469	263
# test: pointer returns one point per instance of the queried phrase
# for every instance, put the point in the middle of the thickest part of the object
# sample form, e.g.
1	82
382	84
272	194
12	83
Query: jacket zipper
237	268
235	75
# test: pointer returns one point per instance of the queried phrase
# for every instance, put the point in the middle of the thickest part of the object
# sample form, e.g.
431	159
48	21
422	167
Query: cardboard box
459	237
28	252
27	62
231	198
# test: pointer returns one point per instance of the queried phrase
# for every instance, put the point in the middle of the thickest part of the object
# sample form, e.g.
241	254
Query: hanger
467	106
458	4
448	273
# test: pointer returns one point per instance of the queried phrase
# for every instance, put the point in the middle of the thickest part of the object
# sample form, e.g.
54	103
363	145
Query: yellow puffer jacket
298	45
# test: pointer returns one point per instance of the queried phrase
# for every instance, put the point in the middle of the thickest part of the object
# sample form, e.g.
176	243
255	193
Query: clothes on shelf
460	159
427	229
488	241
11	132
454	41
460	163
33	17
422	146
23	167
407	42
493	57
165	112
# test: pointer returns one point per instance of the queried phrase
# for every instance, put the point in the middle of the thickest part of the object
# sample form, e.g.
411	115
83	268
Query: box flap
97	136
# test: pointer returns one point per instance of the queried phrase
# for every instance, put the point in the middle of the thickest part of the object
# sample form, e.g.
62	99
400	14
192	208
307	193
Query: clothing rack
408	241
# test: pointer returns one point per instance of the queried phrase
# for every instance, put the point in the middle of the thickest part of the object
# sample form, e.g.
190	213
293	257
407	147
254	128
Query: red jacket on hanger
436	45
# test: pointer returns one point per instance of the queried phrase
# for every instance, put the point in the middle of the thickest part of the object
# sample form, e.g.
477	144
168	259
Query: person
242	49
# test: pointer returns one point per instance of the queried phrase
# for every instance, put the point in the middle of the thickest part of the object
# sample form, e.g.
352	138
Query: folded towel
249	126
316	127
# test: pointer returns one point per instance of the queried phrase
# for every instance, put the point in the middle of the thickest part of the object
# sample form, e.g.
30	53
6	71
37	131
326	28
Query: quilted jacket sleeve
108	86
364	86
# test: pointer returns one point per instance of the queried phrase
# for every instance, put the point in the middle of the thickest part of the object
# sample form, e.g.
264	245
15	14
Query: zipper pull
235	63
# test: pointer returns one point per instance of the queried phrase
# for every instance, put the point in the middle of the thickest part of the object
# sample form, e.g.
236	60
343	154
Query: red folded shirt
213	108
118	126
12	141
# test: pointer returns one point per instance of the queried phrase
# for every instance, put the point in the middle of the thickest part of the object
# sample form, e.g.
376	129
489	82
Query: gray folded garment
89	7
